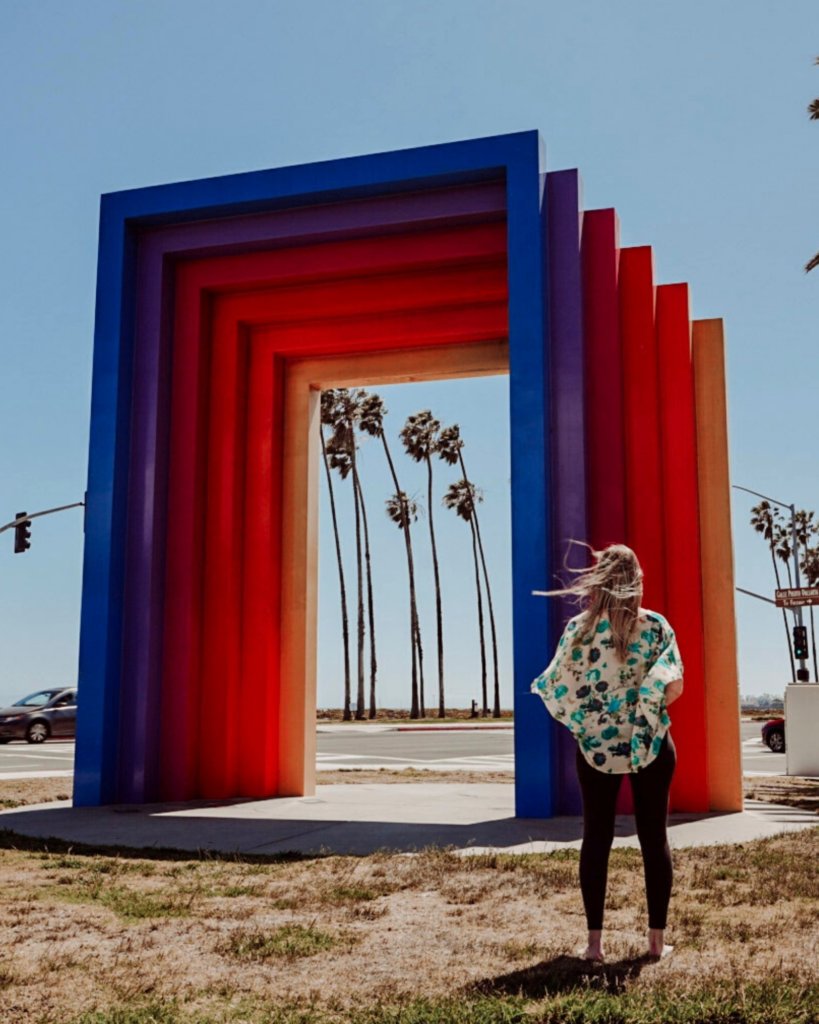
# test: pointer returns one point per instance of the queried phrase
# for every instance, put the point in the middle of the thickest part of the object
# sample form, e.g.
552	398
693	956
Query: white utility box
802	729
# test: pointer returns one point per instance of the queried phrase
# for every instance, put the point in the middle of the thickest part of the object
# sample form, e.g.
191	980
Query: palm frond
449	444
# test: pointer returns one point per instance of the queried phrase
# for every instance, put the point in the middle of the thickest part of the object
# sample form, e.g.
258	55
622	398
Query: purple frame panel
146	525
568	446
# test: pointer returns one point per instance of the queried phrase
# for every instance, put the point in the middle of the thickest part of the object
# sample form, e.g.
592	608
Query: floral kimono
616	709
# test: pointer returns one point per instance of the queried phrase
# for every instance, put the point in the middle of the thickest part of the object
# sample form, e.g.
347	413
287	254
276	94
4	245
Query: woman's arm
673	690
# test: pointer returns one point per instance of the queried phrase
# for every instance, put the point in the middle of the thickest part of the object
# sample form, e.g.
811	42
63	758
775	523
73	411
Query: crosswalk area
472	763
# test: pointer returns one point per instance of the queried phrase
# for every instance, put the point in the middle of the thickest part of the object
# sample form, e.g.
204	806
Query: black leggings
650	787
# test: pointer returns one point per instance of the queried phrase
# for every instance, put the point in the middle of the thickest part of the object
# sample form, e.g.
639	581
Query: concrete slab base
360	818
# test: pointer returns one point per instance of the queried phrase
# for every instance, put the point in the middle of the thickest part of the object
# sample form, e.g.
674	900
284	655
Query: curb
449	728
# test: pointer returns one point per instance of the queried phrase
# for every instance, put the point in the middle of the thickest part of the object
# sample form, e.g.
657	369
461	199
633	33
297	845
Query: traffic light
800	642
22	533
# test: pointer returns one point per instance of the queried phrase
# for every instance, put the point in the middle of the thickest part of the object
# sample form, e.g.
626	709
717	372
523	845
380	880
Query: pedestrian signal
800	642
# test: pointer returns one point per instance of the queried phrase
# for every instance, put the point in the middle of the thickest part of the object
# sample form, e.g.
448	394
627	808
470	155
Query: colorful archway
223	305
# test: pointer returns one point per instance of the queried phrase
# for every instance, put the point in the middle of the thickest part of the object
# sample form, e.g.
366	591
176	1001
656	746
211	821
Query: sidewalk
361	818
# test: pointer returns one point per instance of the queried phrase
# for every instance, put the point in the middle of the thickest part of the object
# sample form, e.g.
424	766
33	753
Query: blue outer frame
520	156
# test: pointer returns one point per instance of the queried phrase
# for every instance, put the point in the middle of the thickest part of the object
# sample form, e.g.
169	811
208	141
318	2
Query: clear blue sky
689	118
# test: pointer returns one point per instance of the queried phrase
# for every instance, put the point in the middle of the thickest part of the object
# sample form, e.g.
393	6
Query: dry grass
783	789
388	775
431	938
792	790
402	715
18	792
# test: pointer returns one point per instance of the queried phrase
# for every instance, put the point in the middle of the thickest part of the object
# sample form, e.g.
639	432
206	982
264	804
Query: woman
616	669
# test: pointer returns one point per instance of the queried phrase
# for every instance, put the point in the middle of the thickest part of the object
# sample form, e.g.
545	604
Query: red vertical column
179	726
258	718
644	491
689	791
605	413
641	434
605	446
220	672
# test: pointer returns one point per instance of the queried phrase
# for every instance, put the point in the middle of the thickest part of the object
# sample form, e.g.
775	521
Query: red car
773	735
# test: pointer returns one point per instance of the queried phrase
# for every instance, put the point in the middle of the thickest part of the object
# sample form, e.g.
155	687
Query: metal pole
36	515
803	671
797	612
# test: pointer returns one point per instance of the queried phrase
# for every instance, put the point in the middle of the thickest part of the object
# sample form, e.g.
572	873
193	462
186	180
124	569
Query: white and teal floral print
615	709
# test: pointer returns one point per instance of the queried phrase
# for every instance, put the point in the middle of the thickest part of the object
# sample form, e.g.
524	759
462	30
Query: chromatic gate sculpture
225	305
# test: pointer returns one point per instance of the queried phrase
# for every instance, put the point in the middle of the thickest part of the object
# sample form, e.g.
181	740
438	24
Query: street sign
796	597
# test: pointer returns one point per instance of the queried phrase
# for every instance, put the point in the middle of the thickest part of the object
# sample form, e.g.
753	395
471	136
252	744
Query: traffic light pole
26	517
803	673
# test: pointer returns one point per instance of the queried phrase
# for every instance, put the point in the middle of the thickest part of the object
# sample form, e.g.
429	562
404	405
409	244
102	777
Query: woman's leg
599	791
650	787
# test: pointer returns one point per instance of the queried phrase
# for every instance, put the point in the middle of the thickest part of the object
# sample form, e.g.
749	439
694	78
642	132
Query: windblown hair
610	587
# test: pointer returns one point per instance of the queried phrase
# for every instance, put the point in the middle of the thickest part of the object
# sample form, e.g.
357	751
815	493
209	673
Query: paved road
21	760
757	759
374	746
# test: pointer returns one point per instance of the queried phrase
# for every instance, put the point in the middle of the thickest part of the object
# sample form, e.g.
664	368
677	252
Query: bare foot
594	950
657	948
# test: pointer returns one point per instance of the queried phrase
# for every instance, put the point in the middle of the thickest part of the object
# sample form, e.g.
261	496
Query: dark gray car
40	715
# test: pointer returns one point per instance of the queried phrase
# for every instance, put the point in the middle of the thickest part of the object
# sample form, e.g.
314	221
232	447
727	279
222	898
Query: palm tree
328	417
420	437
813	113
343	457
763	521
806	528
450	449
461	497
401	510
810	567
370	607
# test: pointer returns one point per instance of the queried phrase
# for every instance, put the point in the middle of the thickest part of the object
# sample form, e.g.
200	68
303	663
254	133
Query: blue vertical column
98	707
530	465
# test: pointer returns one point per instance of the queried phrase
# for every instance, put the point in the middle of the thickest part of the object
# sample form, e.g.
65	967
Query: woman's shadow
561	974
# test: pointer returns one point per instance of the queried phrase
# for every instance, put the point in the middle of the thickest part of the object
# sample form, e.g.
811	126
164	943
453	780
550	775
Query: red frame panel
421	288
689	788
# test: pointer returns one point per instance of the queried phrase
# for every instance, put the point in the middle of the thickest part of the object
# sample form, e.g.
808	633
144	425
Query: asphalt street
376	746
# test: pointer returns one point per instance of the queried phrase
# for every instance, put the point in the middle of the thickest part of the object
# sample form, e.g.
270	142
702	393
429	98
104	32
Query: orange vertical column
260	627
689	790
644	516
222	597
722	711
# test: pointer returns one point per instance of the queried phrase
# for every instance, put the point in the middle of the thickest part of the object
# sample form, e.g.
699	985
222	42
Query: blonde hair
610	587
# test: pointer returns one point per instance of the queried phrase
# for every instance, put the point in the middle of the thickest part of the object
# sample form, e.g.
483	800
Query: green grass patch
353	893
127	904
289	942
584	1001
155	1013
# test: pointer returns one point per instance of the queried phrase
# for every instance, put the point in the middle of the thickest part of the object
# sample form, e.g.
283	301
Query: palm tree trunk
422	708
422	711
497	710
370	609
438	609
345	626
414	632
484	695
360	701
813	644
784	614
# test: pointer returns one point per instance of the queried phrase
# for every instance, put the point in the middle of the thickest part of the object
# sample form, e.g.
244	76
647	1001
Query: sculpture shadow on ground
239	827
561	974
